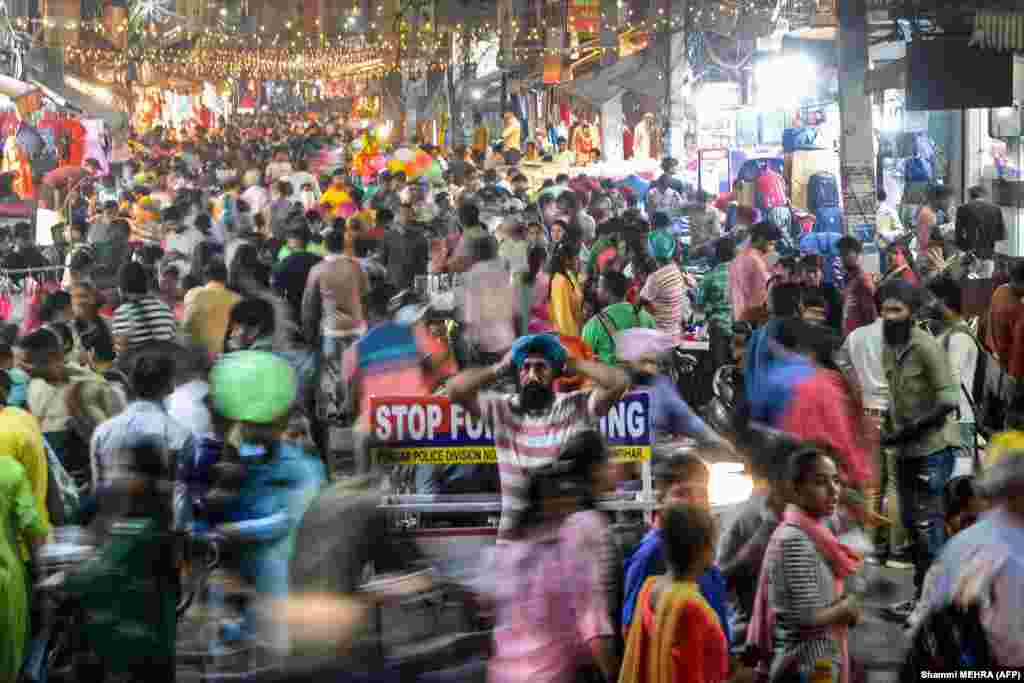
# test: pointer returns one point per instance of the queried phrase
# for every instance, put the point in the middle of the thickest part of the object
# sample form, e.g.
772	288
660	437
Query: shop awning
1003	32
890	76
87	99
606	83
647	78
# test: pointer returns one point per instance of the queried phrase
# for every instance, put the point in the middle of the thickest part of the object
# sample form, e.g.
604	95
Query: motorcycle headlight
729	484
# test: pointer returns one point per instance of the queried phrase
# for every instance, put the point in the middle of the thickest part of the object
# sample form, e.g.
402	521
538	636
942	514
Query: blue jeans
920	482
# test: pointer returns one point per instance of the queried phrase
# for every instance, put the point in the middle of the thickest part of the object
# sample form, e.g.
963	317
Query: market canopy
647	78
891	76
606	83
86	99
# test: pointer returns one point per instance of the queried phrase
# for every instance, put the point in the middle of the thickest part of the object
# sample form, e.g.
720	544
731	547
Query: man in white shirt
860	359
887	221
301	176
183	240
255	195
280	167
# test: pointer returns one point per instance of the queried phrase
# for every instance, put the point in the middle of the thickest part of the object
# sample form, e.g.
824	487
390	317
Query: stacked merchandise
823	202
763	187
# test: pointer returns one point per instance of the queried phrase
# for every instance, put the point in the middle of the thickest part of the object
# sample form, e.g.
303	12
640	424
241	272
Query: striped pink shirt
524	442
666	290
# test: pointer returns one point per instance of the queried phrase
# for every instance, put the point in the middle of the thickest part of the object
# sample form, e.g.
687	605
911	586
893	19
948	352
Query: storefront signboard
585	16
714	173
431	430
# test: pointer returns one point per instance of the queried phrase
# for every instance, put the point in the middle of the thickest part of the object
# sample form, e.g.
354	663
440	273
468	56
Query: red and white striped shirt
666	290
524	442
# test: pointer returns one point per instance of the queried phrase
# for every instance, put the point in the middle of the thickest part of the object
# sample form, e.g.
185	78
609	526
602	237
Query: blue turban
546	345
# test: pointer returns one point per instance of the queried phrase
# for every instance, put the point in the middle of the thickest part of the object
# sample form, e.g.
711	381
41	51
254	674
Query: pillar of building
62	19
675	75
857	148
612	123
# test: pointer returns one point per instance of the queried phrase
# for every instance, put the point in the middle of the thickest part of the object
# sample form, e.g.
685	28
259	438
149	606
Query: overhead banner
585	16
431	430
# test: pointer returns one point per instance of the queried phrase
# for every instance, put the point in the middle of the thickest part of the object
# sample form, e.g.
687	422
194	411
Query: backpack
770	190
750	171
974	387
798	138
918	170
828	219
948	640
922	146
822	192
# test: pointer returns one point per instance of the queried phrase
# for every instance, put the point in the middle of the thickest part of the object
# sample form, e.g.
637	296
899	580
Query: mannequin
643	138
583	140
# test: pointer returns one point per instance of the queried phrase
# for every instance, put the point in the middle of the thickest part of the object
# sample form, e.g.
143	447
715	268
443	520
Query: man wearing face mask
517	419
920	426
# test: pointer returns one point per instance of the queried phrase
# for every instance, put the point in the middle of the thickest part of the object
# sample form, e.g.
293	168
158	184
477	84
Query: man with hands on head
530	427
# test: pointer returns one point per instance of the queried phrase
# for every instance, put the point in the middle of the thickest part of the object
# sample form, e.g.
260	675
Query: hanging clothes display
643	139
15	161
68	138
96	143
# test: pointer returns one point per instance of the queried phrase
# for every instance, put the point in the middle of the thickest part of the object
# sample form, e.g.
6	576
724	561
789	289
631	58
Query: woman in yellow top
565	298
481	136
511	133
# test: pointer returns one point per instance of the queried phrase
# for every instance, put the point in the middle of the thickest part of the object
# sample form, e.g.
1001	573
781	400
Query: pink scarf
840	558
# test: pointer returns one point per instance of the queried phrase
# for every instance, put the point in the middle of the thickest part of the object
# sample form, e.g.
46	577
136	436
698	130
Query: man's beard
534	397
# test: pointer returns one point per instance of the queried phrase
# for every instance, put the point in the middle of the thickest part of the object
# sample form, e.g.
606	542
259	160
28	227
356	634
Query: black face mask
640	378
534	397
896	332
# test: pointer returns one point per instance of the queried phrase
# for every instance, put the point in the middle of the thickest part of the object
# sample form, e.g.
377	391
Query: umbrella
637	185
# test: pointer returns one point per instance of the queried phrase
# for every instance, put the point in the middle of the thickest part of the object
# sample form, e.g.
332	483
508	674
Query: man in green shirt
716	301
617	315
921	425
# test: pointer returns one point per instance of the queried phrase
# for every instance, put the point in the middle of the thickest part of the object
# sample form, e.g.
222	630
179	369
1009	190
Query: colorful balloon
405	155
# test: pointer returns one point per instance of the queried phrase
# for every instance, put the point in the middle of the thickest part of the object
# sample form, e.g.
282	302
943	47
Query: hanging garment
642	141
94	147
16	162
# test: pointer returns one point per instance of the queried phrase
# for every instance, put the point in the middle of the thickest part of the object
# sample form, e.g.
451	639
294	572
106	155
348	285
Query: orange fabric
580	350
437	348
679	642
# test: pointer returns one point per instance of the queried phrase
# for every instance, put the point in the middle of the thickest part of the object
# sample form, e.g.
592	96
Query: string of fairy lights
415	48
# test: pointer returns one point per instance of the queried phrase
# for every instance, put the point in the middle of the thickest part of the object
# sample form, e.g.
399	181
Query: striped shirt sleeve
800	579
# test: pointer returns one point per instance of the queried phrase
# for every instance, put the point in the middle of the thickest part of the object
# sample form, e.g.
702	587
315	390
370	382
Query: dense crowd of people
227	300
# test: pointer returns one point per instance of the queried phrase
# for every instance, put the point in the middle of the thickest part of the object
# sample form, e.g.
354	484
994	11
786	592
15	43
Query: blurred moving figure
18	507
551	615
982	567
